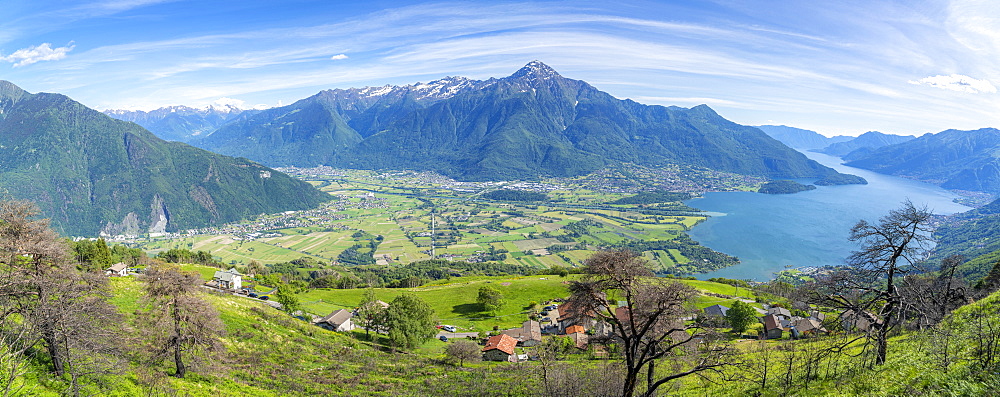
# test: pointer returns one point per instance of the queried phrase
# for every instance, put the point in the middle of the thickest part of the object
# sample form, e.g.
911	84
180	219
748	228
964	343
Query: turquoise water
772	232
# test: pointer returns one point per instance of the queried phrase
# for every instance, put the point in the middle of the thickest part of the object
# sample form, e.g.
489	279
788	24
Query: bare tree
182	324
649	326
928	298
462	351
45	299
867	291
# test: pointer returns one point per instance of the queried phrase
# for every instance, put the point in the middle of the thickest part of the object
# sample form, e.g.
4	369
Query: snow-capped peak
228	105
535	70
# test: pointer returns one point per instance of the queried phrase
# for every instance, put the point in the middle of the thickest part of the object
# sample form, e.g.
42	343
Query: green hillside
90	173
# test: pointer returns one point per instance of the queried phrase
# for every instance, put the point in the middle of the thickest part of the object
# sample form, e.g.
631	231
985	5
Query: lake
770	233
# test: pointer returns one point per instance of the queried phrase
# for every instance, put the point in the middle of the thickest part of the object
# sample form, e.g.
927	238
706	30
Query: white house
117	270
339	320
229	279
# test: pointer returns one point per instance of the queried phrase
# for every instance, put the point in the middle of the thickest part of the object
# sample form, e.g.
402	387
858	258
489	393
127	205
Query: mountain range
531	124
91	174
183	123
840	145
863	144
952	159
800	138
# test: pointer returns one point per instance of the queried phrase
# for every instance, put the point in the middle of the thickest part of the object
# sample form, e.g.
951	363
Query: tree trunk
631	377
52	346
58	367
178	359
181	369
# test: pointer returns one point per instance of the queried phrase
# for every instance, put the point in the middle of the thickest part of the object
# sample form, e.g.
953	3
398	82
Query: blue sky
837	67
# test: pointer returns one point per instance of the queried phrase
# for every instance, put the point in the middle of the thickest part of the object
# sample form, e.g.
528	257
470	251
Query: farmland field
413	218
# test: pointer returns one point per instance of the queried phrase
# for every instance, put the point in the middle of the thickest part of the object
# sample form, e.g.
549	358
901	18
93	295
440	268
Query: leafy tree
462	351
256	268
93	255
182	325
409	321
490	299
650	327
130	256
370	311
991	282
740	316
286	297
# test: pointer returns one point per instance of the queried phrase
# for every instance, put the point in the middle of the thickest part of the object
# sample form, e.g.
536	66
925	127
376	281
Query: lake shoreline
771	233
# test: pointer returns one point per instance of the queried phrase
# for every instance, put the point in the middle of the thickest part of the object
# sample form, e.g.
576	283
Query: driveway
452	335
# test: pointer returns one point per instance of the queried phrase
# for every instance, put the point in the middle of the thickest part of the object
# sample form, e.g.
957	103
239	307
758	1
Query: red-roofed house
570	314
500	348
578	335
772	327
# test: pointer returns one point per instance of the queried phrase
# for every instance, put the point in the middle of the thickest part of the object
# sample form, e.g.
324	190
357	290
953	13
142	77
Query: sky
836	67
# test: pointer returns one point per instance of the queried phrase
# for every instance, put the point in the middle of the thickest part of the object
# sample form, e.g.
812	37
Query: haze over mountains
839	145
90	173
952	159
864	144
531	124
801	139
183	123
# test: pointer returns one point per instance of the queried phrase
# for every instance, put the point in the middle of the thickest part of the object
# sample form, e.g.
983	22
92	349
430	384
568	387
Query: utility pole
433	235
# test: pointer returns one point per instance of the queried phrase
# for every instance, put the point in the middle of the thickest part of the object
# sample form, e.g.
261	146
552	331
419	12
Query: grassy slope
271	354
454	301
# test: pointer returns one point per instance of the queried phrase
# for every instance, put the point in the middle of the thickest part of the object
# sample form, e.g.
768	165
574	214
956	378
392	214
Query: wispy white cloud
958	82
103	8
41	52
338	57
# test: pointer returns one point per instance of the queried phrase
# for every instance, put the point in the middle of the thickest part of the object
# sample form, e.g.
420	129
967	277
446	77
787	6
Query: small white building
228	279
339	320
117	270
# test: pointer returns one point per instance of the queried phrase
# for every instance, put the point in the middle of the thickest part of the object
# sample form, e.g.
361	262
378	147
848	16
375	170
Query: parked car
550	307
443	338
252	295
449	328
264	297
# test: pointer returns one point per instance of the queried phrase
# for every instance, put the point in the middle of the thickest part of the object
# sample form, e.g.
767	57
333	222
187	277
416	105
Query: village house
808	326
716	310
529	334
339	321
852	321
772	327
500	348
228	279
117	270
578	335
570	314
780	311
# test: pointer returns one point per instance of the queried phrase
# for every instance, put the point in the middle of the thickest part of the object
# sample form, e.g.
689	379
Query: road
453	335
